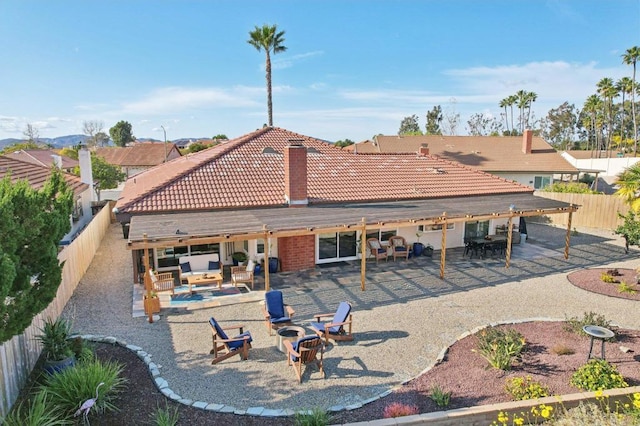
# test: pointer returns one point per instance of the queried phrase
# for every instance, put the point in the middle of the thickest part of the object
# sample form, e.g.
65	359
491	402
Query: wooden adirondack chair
225	347
305	351
335	329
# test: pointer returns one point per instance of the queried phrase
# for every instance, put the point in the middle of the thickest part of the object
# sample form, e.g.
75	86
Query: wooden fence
596	210
19	355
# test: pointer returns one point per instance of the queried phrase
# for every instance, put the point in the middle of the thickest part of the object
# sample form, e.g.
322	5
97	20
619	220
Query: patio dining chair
399	247
376	249
338	328
225	347
276	313
305	351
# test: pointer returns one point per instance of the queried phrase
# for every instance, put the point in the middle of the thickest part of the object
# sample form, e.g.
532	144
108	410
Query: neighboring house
45	158
528	160
139	157
600	162
276	192
37	175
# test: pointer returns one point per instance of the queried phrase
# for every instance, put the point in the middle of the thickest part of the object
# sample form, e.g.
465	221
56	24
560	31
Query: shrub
607	278
598	374
570	187
72	386
562	349
398	409
314	417
614	272
165	416
500	348
440	397
521	388
575	324
623	287
39	413
56	345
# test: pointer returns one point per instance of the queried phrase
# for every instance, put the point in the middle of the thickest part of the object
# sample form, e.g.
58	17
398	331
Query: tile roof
42	157
249	172
36	175
585	155
145	154
494	154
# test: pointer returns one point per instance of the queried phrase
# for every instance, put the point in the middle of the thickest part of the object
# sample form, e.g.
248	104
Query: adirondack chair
274	311
225	347
305	351
335	329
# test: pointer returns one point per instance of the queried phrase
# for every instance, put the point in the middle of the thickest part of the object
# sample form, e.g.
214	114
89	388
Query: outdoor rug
180	299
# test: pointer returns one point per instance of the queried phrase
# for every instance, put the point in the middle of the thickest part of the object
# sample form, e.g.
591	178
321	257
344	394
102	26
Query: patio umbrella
523	226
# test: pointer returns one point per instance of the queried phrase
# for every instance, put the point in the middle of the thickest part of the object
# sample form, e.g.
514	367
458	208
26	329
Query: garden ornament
86	406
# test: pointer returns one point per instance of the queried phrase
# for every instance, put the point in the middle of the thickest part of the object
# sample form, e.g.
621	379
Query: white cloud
278	63
175	99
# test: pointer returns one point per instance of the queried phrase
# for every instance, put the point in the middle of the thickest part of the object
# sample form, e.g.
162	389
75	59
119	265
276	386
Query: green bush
623	287
521	388
165	416
72	386
575	324
315	417
570	187
39	413
54	337
598	374
500	348
604	277
440	397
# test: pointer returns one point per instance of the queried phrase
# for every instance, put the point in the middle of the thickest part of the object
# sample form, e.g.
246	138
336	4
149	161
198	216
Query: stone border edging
163	385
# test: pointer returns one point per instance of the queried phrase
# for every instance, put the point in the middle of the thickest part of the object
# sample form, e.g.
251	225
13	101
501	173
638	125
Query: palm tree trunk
633	112
269	102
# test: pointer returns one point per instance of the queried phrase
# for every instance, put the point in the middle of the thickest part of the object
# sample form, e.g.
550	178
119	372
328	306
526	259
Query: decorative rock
227	409
199	404
240	412
134	348
255	411
167	392
353	406
625	349
214	407
161	383
270	413
185	401
111	340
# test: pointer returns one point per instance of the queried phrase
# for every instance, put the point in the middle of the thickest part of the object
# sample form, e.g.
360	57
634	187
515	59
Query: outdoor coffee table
597	332
204	279
290	333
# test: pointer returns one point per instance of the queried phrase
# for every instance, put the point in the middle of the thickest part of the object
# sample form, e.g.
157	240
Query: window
77	212
430	228
540	182
205	249
168	256
260	246
382	234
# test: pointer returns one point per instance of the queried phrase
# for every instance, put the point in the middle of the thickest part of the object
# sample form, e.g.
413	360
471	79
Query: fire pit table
290	333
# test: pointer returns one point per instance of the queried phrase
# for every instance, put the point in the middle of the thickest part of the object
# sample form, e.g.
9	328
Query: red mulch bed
464	373
590	280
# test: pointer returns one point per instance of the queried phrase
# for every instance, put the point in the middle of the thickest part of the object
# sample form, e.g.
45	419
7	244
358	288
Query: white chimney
86	173
57	161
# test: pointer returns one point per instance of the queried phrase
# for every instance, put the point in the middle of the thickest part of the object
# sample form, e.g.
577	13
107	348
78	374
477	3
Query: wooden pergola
149	231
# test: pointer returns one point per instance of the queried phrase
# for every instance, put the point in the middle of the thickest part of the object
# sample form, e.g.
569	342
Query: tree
32	223
434	118
196	146
342	143
93	129
18	146
629	185
31	134
269	39
560	125
630	230
451	120
631	57
105	175
607	90
592	107
480	124
504	103
624	86
220	136
121	133
409	126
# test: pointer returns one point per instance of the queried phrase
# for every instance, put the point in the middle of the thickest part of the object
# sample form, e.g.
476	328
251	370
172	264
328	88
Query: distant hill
59	142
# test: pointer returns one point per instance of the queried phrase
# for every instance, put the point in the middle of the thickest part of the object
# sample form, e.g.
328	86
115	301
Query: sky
352	69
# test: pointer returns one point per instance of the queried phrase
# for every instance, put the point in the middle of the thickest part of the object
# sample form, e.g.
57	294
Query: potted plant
151	303
428	250
259	265
274	263
239	258
418	247
56	346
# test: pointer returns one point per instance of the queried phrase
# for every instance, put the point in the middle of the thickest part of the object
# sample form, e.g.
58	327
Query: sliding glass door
336	246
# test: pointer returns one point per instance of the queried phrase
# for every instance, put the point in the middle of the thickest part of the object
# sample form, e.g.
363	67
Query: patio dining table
490	243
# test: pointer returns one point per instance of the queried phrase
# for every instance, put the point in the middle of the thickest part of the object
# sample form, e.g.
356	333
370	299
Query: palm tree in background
504	104
631	57
608	91
592	106
511	101
269	39
624	86
531	98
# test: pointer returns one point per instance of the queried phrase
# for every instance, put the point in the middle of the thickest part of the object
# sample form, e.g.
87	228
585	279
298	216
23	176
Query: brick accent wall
295	175
297	253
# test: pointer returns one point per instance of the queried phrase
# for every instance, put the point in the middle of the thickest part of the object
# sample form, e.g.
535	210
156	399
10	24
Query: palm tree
511	101
269	39
522	98
624	86
629	183
531	98
503	104
631	57
592	106
608	91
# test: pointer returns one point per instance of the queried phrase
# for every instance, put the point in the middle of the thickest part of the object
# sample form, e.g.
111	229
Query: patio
402	321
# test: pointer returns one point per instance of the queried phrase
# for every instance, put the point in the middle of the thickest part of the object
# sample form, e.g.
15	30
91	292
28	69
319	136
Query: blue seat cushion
274	304
185	267
297	343
219	331
382	250
320	327
238	344
213	265
400	248
279	320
